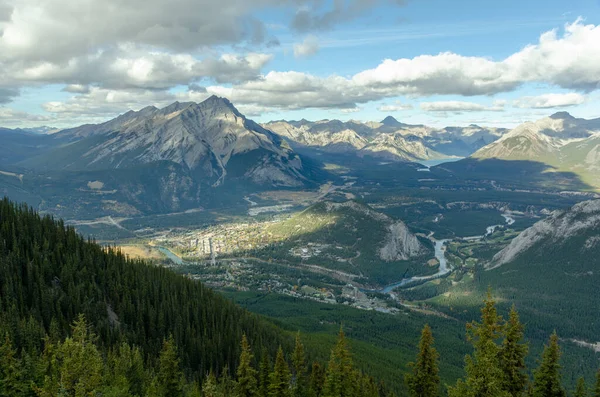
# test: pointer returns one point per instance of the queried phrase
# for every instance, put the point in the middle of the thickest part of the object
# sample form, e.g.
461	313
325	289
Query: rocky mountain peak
562	116
391	122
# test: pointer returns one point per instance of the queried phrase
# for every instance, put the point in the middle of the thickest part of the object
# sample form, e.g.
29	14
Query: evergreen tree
299	366
263	374
210	387
126	375
226	383
246	375
317	380
424	380
12	382
512	355
580	389
279	380
597	388
170	377
74	367
547	378
484	374
339	379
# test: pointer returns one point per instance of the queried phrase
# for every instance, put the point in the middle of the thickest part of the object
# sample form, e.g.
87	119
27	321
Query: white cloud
309	47
10	117
396	107
570	59
129	68
548	101
460	106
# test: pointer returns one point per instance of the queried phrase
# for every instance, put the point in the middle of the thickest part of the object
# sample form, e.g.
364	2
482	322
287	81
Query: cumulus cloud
127	68
58	30
9	117
569	59
460	106
548	101
309	47
396	107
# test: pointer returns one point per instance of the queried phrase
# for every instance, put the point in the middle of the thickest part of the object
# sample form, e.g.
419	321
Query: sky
437	62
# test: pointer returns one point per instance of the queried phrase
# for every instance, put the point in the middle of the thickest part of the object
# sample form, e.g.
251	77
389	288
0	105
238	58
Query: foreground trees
497	365
424	380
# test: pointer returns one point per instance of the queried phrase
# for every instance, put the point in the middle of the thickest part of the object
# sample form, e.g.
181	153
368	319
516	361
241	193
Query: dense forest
78	319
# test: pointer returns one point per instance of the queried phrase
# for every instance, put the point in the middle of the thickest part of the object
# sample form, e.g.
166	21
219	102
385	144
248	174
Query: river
176	259
440	254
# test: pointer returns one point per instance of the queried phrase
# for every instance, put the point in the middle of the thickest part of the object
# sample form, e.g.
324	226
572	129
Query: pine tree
12	383
246	385
597	388
170	376
580	389
512	356
299	366
547	378
279	380
424	380
126	373
339	379
226	383
317	380
484	375
210	387
263	374
74	367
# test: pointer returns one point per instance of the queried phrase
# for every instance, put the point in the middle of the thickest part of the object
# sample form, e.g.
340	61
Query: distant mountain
42	130
212	140
19	144
184	156
388	140
566	143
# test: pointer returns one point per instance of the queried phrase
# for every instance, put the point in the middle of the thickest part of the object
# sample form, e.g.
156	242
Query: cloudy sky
440	62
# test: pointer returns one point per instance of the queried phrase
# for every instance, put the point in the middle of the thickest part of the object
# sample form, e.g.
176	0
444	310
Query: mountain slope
353	238
540	140
203	138
49	275
559	233
565	143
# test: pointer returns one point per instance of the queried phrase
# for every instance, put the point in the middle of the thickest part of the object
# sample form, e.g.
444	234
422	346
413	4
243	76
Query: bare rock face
202	137
388	140
543	139
559	226
400	244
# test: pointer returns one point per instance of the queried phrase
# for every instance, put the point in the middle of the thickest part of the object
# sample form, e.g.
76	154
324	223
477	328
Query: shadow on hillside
513	174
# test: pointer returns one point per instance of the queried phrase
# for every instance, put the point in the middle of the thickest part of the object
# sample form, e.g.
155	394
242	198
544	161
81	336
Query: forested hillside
78	319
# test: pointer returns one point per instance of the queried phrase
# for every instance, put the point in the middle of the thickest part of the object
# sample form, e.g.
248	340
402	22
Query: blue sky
310	59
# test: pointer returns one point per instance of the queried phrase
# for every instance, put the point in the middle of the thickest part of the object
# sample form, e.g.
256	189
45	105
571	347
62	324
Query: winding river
440	254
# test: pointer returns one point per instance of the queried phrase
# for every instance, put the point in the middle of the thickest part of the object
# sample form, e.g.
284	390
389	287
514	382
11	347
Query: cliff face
400	244
581	221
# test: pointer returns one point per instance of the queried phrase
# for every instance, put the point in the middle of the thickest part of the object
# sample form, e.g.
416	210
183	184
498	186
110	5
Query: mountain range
192	155
389	139
561	141
212	140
